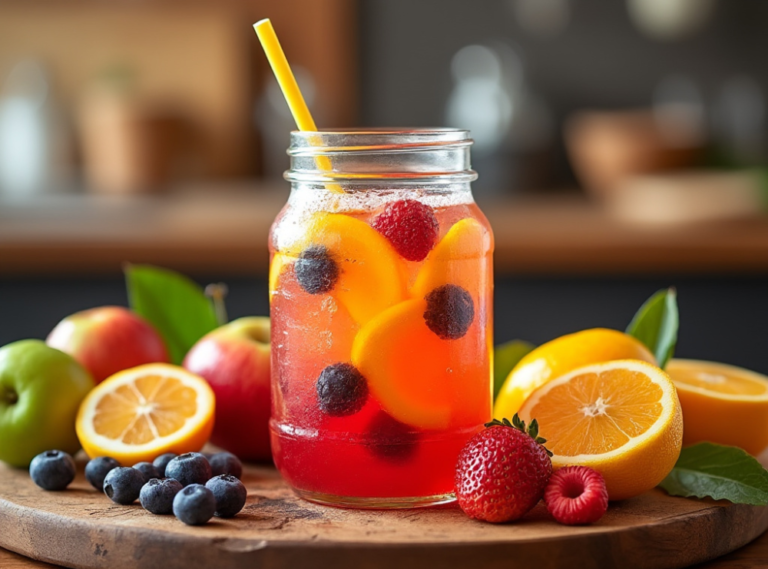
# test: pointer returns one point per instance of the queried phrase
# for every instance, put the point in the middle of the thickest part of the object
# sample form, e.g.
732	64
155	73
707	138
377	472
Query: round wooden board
81	528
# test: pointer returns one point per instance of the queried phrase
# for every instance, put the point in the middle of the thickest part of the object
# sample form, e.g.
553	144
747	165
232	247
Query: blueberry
391	440
157	495
97	469
226	463
123	485
194	505
341	390
52	470
189	468
450	311
230	494
316	270
149	470
162	461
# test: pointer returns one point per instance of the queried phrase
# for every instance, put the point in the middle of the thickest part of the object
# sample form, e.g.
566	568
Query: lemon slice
143	412
722	404
622	418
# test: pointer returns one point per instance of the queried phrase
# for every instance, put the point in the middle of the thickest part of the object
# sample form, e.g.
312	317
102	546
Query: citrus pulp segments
459	259
560	356
143	412
420	379
622	418
372	274
722	404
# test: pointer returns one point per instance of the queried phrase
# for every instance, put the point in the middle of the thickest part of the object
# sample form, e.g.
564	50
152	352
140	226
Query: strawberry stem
517	423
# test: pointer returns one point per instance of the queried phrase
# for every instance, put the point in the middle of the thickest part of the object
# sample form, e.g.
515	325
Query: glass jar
381	301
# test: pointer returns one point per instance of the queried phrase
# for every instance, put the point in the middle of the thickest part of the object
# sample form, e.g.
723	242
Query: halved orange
722	404
372	276
622	418
562	355
143	412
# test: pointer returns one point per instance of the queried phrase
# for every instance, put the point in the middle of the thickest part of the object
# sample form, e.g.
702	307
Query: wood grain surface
81	528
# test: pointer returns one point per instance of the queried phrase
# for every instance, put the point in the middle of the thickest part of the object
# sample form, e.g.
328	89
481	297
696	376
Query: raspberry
576	495
450	311
341	390
410	226
316	270
502	471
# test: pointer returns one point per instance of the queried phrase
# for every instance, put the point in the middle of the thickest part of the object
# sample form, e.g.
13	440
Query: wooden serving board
81	528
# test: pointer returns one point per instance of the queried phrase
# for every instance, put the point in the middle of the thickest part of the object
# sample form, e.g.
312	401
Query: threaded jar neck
396	156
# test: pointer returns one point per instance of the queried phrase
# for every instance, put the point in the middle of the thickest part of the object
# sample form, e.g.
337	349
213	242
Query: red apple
234	359
108	339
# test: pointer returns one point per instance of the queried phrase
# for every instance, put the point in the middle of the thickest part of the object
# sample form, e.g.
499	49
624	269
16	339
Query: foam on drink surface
304	203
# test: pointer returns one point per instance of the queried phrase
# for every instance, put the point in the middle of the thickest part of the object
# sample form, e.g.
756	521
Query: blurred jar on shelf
35	141
512	127
128	143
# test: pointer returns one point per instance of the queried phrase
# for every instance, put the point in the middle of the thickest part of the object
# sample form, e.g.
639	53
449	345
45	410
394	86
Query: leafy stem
519	424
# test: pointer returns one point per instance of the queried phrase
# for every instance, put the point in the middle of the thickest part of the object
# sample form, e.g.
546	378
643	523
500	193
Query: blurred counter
224	231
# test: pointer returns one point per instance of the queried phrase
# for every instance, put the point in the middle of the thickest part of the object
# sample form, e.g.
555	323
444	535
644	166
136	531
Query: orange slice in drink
279	262
143	412
371	275
722	404
622	418
420	379
457	259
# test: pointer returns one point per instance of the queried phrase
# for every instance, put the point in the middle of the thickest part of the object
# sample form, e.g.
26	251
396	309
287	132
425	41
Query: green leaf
656	325
719	472
175	305
505	357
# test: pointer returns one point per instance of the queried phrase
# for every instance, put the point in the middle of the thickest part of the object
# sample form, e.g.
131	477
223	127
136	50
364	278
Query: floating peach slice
456	260
371	275
406	366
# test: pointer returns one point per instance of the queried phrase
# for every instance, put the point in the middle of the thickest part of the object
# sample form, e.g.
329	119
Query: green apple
40	392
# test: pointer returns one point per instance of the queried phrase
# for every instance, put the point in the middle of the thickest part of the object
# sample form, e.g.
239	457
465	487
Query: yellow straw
290	88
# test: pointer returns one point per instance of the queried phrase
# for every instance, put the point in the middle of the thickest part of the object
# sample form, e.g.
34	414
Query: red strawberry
502	471
576	495
410	226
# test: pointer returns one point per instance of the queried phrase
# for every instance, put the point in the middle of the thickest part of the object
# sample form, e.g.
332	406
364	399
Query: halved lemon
143	412
722	404
622	418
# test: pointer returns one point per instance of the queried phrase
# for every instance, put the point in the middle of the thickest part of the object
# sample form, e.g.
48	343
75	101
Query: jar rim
359	140
432	156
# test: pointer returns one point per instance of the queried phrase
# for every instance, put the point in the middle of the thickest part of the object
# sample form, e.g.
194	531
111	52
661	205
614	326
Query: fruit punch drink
381	299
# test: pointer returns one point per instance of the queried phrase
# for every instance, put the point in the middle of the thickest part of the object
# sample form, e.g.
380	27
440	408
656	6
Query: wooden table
224	231
278	529
754	555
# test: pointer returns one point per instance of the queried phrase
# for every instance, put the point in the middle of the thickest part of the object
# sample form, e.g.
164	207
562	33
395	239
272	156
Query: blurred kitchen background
621	146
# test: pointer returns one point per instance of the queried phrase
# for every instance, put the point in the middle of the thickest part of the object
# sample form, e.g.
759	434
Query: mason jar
381	294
